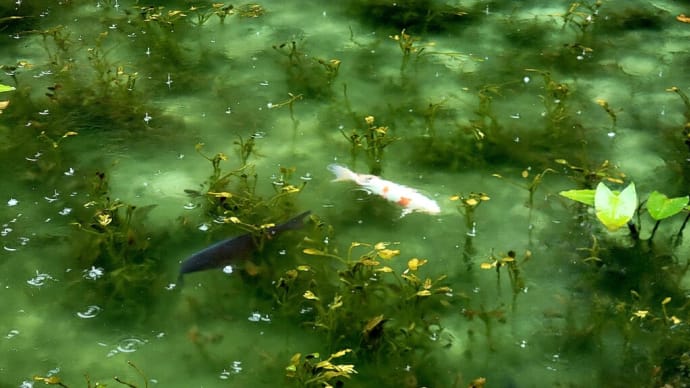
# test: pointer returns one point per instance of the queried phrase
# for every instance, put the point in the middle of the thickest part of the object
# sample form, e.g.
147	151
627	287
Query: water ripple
90	312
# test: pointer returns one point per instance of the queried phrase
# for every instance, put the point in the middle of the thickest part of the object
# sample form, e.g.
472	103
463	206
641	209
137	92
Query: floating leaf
310	295
384	269
583	196
423	293
614	210
660	206
6	88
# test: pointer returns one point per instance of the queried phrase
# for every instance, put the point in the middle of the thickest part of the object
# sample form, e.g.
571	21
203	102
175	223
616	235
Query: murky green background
517	99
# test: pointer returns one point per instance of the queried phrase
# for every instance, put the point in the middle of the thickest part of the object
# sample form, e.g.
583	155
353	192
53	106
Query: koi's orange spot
385	190
403	201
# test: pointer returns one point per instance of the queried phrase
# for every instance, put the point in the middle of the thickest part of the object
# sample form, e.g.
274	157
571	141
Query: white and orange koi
410	199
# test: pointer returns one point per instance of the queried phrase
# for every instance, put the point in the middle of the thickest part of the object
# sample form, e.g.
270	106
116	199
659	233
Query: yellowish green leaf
660	206
388	253
313	251
583	196
614	210
414	263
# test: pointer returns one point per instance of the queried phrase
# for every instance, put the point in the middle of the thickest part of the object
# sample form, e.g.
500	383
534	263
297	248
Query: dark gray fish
227	251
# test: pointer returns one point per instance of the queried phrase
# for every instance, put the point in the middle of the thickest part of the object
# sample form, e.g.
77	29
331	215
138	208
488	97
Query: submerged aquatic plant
374	139
513	265
115	242
467	205
371	307
555	103
228	196
312	371
307	75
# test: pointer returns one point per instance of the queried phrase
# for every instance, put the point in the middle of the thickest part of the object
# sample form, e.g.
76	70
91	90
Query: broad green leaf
584	196
614	210
6	88
660	206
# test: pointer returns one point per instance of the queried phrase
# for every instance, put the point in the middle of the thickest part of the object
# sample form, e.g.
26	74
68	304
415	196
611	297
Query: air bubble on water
203	227
40	279
12	333
258	317
90	312
93	273
130	345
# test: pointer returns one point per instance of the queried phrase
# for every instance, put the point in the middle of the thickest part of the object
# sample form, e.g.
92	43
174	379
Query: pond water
136	135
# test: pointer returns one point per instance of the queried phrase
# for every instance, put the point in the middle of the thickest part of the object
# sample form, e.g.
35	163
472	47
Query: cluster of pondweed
374	139
467	205
202	12
581	16
307	75
97	96
231	197
366	305
512	264
408	47
555	99
116	268
313	372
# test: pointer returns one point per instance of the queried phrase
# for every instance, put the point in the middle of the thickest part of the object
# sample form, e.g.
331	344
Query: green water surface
121	110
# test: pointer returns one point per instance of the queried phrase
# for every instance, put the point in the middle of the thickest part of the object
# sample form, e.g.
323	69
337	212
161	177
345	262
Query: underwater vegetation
553	250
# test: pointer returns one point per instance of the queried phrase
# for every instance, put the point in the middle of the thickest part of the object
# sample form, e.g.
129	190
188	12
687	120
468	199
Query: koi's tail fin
341	173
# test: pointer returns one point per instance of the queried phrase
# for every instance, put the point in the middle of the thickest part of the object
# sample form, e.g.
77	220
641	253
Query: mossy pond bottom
554	137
